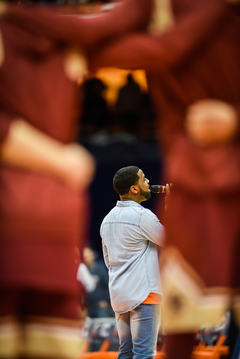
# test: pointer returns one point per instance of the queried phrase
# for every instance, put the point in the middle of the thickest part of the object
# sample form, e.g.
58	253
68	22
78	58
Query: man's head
131	184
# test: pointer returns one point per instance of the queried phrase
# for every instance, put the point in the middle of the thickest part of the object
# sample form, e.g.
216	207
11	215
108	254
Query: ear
134	189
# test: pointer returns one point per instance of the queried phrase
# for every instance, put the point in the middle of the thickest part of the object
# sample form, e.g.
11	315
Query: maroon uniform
41	219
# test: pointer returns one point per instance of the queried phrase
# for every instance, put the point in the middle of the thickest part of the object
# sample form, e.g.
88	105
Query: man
193	61
131	235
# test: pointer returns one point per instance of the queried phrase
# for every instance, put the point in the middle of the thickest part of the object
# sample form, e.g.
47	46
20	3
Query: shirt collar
127	203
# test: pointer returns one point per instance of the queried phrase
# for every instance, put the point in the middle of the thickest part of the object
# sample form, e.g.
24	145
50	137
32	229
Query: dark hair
125	178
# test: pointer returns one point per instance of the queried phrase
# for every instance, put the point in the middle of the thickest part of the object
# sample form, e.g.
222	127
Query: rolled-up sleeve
152	229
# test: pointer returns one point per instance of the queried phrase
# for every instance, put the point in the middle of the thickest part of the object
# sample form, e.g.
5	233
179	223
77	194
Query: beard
145	194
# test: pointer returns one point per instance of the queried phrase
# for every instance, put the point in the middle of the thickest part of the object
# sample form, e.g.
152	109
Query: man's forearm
27	148
80	31
156	54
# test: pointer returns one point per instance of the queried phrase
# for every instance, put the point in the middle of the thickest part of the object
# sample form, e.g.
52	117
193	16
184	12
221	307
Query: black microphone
158	189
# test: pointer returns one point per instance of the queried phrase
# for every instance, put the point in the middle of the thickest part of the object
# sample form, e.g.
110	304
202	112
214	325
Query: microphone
158	189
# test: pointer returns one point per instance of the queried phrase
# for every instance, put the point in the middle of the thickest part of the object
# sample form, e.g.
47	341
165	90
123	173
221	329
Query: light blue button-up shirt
130	236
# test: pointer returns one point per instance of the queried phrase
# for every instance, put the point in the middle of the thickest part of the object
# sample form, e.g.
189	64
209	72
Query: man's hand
211	122
168	191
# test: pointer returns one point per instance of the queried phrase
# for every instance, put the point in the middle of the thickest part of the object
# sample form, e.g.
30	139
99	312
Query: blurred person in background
194	81
43	214
95	114
87	283
98	299
129	106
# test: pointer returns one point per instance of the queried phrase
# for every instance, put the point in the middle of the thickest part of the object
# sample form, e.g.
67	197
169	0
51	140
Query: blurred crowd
130	117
